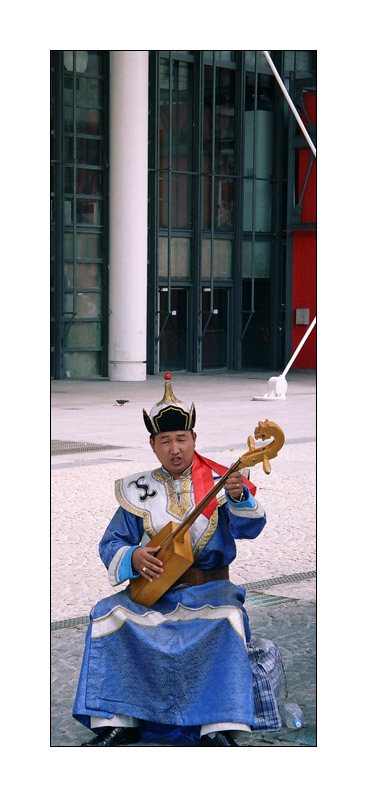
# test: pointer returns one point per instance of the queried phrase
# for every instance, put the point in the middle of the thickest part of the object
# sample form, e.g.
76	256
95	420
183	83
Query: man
180	669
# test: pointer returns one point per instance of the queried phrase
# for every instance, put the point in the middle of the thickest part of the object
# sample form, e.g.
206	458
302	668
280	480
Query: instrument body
176	555
175	539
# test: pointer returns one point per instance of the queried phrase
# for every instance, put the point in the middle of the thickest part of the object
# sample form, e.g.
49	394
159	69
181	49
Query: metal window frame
58	254
279	276
64	319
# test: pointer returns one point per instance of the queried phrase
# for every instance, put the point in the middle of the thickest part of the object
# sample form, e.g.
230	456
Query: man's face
175	450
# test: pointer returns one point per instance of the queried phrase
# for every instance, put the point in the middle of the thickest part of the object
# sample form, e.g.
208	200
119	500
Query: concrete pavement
98	440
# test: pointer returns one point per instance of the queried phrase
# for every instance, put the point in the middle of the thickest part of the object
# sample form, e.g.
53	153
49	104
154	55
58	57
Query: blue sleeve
121	538
248	502
246	518
124	569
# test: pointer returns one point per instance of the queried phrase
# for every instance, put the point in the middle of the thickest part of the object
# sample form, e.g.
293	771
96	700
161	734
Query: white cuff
213	727
117	721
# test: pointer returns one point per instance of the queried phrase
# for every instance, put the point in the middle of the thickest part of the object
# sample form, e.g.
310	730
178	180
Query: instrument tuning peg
266	465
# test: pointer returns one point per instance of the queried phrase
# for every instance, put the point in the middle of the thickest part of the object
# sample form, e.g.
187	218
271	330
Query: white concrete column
128	214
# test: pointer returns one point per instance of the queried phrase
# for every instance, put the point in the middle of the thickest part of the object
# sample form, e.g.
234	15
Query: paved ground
83	502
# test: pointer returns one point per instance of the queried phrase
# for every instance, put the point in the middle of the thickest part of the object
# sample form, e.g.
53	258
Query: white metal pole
313	148
290	103
299	347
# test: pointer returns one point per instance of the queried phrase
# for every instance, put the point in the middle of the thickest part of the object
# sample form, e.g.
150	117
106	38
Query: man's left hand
234	485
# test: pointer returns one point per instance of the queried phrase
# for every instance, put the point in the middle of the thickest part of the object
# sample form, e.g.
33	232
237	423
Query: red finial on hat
167	375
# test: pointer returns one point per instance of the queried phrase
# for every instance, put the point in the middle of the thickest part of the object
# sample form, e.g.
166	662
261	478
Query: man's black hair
153	435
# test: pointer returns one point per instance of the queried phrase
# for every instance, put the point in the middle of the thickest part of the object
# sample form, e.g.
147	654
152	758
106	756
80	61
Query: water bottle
293	715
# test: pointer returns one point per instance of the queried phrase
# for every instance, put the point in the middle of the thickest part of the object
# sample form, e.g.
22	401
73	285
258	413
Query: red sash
203	481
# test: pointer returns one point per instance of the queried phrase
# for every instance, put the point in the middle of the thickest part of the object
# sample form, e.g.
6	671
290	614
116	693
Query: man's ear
194	435
151	443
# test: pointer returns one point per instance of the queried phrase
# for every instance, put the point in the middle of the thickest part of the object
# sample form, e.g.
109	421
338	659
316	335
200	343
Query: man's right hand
146	563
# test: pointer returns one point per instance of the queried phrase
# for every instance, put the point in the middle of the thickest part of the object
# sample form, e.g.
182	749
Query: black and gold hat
170	414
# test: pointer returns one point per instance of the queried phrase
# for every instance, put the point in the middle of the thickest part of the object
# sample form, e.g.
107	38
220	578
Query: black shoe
114	737
221	739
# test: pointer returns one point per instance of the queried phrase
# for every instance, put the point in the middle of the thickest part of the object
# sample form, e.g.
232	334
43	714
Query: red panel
304	253
304	295
309	199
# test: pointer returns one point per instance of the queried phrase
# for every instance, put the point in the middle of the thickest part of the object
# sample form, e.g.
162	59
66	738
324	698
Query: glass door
214	328
173	329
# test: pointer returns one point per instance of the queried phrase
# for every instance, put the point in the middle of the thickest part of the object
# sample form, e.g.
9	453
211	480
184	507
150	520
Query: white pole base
277	389
127	371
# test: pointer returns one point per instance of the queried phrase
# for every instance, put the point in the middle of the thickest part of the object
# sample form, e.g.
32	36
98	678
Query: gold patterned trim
213	522
177	508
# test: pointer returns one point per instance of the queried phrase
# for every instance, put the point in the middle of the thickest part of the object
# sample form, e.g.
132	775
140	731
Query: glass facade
218	163
79	213
221	161
212	182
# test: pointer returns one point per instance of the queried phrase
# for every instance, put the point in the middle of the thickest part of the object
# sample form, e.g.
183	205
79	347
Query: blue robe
182	662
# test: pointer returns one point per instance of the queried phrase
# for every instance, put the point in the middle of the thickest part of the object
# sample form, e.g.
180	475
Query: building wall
223	277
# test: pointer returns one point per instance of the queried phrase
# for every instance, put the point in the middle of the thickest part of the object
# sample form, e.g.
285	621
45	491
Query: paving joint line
268	582
82	463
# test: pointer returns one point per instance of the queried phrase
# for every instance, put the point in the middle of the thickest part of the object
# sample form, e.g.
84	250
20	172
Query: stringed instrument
175	539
